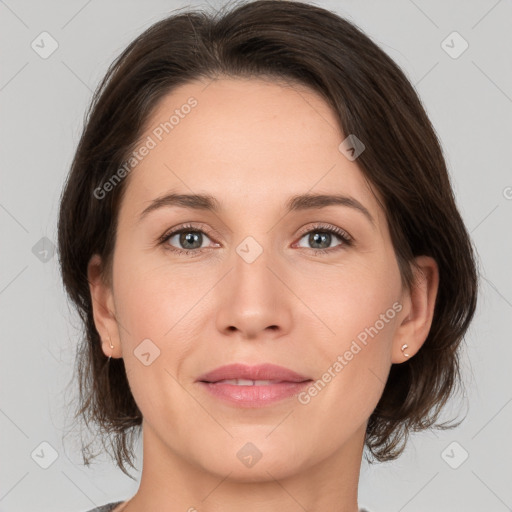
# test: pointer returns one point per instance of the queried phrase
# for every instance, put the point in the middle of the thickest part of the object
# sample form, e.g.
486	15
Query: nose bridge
253	298
256	256
251	274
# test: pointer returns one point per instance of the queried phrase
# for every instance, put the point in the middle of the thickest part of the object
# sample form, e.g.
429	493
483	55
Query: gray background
469	99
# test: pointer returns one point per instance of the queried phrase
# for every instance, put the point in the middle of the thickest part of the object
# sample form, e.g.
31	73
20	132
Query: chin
258	460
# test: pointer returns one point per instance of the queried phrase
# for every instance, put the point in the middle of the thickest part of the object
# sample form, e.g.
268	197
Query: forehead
244	141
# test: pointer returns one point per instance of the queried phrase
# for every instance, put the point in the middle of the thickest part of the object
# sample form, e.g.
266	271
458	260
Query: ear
103	308
418	309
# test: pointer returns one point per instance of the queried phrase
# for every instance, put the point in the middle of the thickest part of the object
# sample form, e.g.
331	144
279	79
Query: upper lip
258	372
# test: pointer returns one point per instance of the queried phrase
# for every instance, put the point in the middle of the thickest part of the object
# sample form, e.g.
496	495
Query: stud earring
111	346
403	348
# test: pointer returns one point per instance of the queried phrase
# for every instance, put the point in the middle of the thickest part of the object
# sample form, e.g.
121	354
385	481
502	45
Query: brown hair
370	96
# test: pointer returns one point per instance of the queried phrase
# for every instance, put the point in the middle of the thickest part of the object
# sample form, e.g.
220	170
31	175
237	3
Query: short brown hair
370	96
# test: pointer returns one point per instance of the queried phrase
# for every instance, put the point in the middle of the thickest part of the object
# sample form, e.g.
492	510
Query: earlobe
103	309
419	311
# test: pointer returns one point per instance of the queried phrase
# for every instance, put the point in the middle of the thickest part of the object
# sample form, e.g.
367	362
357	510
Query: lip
284	384
257	372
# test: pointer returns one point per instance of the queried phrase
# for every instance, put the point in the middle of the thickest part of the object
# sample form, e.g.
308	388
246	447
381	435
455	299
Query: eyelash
321	228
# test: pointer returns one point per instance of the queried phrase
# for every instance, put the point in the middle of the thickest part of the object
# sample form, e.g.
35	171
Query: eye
188	239
321	236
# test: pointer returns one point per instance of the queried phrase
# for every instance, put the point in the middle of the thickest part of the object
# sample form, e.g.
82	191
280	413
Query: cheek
162	312
353	369
350	299
155	308
150	296
360	307
141	307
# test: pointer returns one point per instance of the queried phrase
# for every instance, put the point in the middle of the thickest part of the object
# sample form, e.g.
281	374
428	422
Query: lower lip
254	396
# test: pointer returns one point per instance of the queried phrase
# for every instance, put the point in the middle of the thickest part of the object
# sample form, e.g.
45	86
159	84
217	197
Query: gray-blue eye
323	236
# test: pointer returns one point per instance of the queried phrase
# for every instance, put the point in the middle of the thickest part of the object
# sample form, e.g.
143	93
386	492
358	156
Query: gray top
110	506
106	508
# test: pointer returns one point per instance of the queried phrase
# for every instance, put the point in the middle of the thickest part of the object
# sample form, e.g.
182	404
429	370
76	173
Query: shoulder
106	508
110	506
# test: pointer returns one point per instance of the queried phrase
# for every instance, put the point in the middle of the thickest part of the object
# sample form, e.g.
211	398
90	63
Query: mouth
247	382
246	386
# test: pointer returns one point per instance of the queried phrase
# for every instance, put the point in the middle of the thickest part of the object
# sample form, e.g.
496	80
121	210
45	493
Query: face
315	289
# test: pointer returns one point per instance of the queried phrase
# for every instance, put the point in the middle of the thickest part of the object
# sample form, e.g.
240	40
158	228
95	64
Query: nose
255	301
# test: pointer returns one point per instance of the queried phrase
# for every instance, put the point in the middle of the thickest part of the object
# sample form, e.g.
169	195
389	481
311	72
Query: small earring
403	348
111	346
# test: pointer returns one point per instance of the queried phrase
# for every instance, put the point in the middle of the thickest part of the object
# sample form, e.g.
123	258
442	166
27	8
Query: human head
312	49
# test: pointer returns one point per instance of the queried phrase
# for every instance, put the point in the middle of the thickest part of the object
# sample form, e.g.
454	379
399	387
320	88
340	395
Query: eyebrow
300	202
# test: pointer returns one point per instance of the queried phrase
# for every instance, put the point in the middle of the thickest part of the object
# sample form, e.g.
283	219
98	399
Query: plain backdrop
468	97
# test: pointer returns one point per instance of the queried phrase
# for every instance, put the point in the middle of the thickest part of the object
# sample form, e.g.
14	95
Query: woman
259	232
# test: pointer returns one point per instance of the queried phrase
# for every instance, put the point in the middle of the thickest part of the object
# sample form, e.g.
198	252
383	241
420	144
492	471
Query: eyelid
327	227
192	226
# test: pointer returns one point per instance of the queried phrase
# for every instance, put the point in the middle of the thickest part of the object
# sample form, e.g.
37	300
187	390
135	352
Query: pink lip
286	383
257	372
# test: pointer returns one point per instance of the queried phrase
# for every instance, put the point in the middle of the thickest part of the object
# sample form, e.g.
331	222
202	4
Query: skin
252	144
